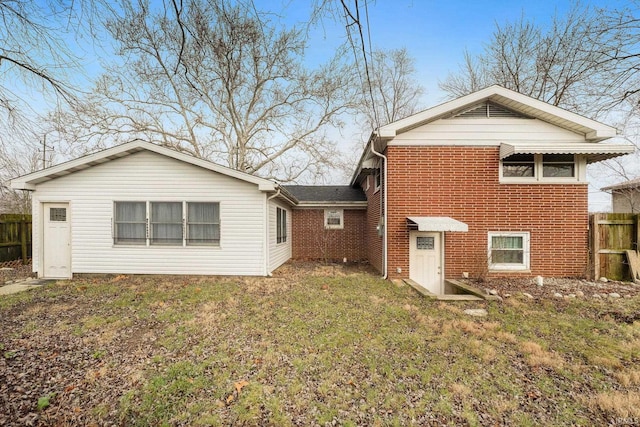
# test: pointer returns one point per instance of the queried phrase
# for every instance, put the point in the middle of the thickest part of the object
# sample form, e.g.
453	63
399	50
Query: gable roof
626	185
29	181
514	104
326	194
594	131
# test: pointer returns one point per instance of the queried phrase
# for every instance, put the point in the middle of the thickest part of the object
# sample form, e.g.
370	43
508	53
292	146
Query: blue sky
436	34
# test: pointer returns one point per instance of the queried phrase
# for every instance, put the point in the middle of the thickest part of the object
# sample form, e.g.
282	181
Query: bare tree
37	67
219	81
396	93
564	65
586	61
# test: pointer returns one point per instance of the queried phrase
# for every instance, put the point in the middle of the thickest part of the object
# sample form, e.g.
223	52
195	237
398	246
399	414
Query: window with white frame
130	223
539	168
163	223
166	223
508	250
203	223
378	179
334	218
558	165
281	225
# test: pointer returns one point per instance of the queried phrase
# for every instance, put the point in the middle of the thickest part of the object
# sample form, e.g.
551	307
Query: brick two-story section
490	184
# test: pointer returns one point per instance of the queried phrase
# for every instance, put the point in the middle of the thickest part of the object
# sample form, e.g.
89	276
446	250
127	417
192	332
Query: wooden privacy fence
614	247
15	237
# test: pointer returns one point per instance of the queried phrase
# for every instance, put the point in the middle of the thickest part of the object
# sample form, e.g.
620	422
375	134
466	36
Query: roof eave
29	181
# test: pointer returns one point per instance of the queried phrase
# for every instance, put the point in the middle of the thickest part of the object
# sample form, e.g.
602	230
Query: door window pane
425	242
58	214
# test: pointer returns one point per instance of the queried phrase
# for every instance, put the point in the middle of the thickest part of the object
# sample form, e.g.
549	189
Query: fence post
23	239
637	242
595	245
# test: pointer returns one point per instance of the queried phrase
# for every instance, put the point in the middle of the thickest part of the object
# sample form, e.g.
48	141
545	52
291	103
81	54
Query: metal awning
436	223
594	152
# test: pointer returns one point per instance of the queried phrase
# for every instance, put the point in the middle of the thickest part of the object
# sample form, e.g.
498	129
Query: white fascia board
20	184
129	148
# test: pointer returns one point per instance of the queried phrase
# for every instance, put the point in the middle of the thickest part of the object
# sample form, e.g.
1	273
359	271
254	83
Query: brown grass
628	378
537	356
619	404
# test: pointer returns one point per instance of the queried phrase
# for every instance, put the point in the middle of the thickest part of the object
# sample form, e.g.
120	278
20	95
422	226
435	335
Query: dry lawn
310	346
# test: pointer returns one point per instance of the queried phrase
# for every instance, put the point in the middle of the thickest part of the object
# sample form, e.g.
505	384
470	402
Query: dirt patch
15	270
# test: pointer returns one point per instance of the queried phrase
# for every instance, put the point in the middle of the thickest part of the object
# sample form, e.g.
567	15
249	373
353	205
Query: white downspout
383	208
266	249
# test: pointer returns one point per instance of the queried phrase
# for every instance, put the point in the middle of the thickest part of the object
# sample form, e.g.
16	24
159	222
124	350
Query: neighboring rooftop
632	183
326	193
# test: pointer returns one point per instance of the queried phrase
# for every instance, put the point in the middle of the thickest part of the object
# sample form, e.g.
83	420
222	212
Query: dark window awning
436	223
594	152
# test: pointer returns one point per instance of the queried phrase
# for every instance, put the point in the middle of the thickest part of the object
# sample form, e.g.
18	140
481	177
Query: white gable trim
29	182
594	131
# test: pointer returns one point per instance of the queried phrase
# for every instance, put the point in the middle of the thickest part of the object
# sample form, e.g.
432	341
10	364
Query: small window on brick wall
334	218
508	250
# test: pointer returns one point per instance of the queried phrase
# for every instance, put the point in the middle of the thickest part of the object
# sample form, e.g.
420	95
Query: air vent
489	110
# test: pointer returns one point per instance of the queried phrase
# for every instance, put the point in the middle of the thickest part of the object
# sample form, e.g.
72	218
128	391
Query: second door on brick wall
425	260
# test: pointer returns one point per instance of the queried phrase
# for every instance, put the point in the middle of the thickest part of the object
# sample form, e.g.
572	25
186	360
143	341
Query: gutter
383	208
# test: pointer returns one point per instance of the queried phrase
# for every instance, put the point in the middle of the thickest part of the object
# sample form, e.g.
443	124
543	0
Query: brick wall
462	182
372	239
311	240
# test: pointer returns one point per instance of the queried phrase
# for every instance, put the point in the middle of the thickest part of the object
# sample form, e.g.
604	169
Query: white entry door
56	241
425	260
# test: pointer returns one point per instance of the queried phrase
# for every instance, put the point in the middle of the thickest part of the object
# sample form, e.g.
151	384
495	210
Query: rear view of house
492	183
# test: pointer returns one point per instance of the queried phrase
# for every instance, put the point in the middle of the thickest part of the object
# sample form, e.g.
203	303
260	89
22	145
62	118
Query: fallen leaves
233	396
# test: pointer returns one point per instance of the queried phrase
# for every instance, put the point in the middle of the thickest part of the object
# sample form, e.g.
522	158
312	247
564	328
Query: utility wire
356	21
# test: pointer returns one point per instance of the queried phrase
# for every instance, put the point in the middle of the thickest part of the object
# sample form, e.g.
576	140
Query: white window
378	179
558	166
166	223
130	225
508	250
163	223
203	224
334	218
540	168
281	225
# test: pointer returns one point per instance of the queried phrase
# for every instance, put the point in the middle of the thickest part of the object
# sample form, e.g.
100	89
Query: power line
356	21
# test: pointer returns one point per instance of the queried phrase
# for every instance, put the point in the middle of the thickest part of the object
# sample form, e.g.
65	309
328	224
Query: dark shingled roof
326	193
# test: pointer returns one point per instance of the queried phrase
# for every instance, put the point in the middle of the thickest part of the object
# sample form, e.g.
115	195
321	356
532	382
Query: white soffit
595	152
437	223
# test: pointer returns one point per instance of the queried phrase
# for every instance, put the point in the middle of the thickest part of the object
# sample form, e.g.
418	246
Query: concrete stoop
466	292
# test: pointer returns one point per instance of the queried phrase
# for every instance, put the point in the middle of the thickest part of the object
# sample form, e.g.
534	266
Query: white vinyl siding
490	131
279	253
151	177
